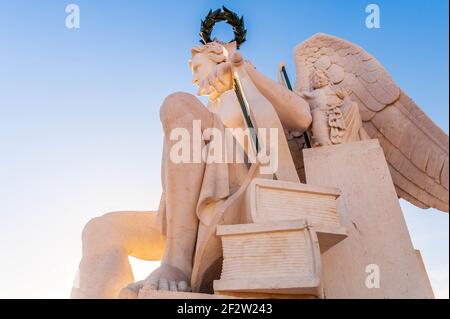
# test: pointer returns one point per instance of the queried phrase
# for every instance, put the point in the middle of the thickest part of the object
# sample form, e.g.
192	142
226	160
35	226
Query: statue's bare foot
164	278
167	277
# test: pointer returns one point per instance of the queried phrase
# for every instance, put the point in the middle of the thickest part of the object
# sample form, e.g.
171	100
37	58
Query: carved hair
213	49
319	76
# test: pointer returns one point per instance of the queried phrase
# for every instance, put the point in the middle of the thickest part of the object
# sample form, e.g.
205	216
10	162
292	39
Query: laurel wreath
230	17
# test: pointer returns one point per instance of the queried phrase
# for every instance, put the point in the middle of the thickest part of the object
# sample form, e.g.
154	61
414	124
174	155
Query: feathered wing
417	151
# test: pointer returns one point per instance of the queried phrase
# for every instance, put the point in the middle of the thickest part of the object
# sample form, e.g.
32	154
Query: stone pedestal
378	237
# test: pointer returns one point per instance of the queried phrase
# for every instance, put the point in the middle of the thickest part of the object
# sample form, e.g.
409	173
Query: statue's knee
180	109
96	230
174	104
90	230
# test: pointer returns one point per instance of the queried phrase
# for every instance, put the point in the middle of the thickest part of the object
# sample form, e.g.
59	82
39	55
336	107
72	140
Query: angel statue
328	106
341	90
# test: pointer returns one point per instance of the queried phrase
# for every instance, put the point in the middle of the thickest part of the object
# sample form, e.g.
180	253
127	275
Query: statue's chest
333	100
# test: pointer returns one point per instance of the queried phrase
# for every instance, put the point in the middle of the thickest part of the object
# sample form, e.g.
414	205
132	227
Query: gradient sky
79	126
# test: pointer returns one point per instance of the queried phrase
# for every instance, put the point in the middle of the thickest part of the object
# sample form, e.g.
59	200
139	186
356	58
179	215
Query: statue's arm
305	94
292	109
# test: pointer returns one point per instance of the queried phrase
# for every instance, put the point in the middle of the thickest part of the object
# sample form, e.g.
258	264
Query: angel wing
417	151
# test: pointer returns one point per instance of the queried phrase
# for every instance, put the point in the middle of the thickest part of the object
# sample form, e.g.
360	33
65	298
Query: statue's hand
218	81
305	95
237	59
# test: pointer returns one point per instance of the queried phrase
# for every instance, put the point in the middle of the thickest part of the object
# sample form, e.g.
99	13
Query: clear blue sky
79	127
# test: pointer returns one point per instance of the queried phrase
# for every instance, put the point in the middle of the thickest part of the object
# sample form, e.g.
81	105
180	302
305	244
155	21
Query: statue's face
319	81
208	70
201	66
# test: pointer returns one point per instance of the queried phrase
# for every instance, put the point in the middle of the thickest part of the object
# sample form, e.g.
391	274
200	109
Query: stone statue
336	117
350	94
415	148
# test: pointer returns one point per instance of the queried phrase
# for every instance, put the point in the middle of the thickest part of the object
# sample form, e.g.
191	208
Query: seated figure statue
171	233
353	98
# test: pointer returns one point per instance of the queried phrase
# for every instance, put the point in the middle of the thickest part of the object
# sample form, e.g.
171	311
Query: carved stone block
272	200
274	257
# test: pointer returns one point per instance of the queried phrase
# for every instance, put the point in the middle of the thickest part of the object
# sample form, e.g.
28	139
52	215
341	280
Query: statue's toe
131	291
163	284
182	286
153	283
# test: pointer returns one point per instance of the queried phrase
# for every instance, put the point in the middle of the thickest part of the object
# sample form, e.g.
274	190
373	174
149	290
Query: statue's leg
181	183
107	242
320	128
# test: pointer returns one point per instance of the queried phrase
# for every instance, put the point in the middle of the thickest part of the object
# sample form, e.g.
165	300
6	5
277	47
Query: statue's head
320	79
206	57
